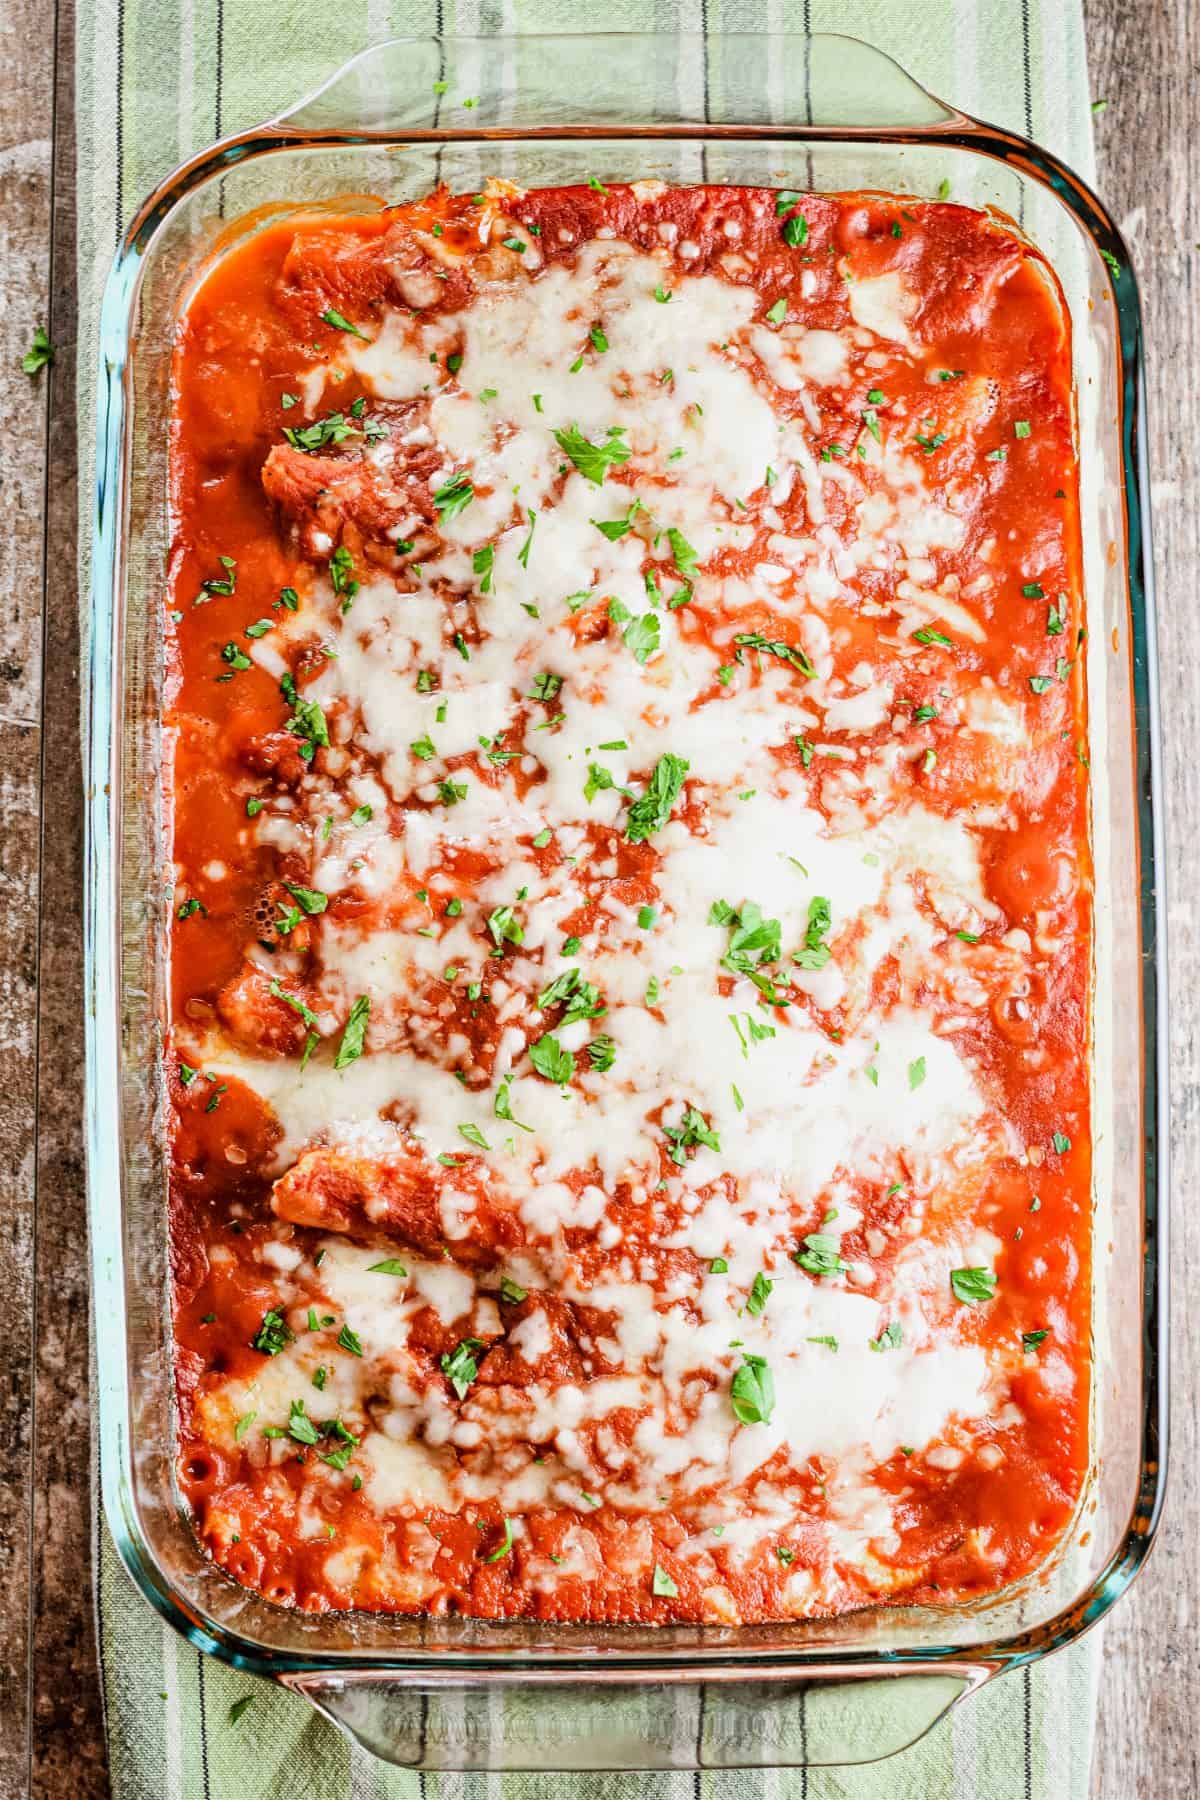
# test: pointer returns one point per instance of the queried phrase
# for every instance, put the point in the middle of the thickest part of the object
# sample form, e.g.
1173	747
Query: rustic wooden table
1145	60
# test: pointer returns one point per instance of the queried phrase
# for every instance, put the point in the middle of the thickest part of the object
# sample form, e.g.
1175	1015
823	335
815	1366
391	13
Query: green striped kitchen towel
155	81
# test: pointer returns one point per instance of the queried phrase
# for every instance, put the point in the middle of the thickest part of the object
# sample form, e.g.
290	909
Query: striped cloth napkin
155	81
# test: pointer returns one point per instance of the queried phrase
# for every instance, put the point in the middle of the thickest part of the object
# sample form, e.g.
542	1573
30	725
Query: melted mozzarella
802	1112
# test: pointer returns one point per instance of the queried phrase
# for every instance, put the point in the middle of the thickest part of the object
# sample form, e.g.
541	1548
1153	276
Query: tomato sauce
988	403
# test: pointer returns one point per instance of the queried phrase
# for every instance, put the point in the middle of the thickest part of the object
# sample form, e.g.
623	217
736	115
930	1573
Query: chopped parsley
755	1031
347	1444
505	927
683	553
814	953
482	562
307	721
760	1293
754	942
273	1334
351	1046
297	1005
821	1254
599	780
507	1544
550	1059
613	529
752	1394
641	637
310	899
502	1109
335	428
332	317
453	497
651	811
460	1367
389	1266
692	1131
219	584
970	1286
592	460
581	997
789	653
39	353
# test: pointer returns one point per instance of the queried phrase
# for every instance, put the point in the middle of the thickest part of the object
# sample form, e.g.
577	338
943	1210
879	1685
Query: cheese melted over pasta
631	956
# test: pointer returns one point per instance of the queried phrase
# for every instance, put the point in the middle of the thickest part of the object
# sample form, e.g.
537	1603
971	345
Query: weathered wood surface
1145	60
1144	57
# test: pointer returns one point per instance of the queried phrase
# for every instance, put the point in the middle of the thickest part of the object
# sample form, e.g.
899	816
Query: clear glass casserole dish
460	1693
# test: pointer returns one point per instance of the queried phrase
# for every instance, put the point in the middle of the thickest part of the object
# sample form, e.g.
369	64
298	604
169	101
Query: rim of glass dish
959	130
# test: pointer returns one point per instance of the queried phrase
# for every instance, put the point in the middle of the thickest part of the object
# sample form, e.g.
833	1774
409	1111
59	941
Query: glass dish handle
618	85
476	1721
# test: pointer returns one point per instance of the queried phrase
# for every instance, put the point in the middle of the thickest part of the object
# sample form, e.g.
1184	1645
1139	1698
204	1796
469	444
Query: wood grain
26	80
65	1750
1145	59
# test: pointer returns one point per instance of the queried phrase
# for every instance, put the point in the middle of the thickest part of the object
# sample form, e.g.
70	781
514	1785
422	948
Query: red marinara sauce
961	356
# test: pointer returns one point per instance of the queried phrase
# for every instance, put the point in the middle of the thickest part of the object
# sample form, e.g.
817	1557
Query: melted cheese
802	1112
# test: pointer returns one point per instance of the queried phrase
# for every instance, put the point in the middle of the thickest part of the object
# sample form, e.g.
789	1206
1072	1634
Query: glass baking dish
823	113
